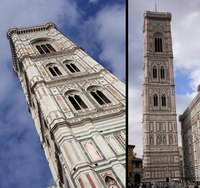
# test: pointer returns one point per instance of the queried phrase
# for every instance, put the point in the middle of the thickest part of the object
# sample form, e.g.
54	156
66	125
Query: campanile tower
160	143
78	108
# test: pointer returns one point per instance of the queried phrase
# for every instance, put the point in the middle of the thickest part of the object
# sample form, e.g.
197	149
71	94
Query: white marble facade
160	151
77	105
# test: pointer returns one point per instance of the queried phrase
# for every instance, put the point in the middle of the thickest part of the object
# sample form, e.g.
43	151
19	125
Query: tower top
157	15
30	29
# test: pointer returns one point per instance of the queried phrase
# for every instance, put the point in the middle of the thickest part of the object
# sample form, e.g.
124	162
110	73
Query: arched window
54	71
100	97
45	48
158	44
163	101
77	102
110	182
49	46
39	49
162	73
155	100
72	67
154	72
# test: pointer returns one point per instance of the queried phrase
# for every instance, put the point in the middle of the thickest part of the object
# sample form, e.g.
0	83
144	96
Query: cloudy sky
186	49
90	24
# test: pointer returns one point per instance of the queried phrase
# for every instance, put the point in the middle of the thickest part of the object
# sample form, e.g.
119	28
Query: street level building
182	173
134	168
190	132
160	142
78	108
131	157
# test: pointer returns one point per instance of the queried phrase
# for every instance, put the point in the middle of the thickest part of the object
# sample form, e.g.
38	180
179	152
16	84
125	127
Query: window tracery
98	94
76	100
45	48
54	70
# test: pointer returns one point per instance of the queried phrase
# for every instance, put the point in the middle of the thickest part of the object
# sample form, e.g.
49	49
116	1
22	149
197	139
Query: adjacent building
182	173
135	172
190	132
131	156
78	108
160	143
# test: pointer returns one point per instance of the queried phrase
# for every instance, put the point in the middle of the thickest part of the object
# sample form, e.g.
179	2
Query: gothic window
154	72
54	70
98	94
110	182
155	100
162	73
158	44
163	101
77	102
72	67
45	48
100	97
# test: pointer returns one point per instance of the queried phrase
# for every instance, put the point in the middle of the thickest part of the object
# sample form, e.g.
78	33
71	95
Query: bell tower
78	108
160	143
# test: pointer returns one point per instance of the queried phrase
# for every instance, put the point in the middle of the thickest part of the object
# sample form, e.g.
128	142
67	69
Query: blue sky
98	26
185	29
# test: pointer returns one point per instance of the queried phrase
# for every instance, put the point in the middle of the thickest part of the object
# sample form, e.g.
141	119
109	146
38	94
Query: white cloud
109	35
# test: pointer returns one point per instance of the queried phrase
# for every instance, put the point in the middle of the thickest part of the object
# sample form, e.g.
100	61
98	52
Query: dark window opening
74	103
50	47
158	45
54	71
154	72
75	67
80	101
40	49
105	99
162	73
72	67
77	102
98	99
155	100
57	70
45	48
163	100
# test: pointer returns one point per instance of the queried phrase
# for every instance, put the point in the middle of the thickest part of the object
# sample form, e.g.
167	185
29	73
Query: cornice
157	15
13	31
30	29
